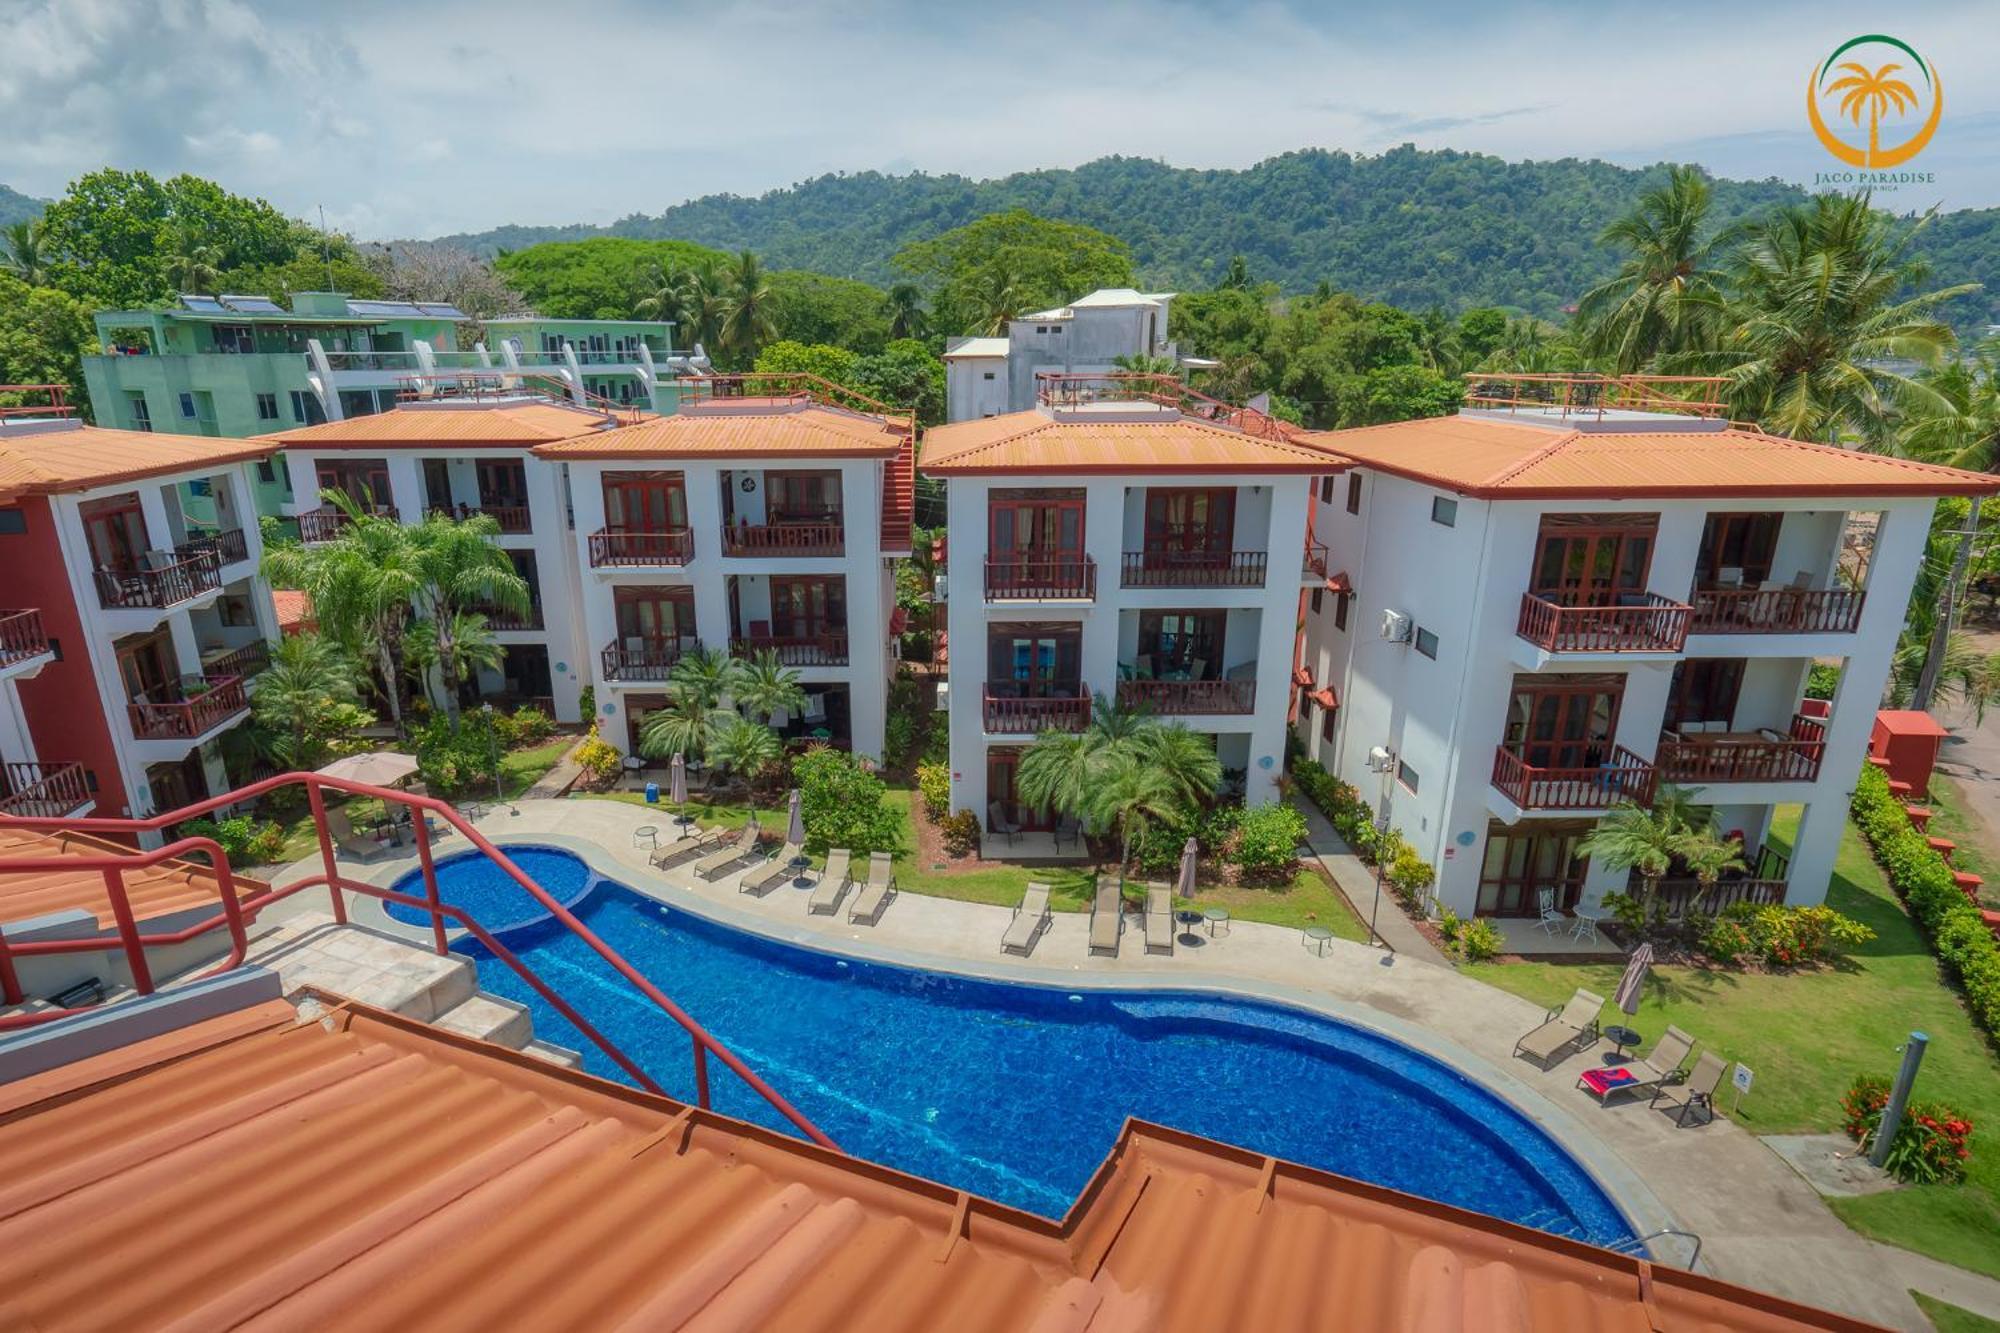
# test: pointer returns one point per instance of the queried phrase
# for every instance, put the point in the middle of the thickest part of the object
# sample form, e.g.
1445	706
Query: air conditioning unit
1380	759
1395	627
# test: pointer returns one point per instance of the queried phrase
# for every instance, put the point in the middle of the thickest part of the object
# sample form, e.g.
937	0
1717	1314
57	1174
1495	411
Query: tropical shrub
1450	925
1158	851
1822	679
961	833
899	735
1725	939
244	841
455	753
1792	936
1410	876
934	785
1267	840
598	758
1480	940
528	725
843	804
1933	1143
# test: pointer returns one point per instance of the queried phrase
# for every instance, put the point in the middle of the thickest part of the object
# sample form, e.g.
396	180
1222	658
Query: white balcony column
1643	707
304	469
711	592
868	608
965	619
159	526
406	487
1103	542
1277	637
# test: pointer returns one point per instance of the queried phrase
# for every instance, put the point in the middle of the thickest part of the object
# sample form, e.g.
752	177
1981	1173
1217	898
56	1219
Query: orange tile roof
294	610
1502	459
417	427
169	887
743	427
364	1171
1038	442
53	461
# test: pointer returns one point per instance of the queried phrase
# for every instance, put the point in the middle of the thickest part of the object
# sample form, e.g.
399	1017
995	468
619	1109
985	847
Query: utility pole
1947	611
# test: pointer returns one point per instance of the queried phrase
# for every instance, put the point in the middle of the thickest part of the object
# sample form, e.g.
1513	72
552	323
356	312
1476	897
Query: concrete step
490	1018
554	1054
374	968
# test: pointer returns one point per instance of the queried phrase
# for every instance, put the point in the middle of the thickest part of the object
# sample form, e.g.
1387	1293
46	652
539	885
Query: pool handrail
236	912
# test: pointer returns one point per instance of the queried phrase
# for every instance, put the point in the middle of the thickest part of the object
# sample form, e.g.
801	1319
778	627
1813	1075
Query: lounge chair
773	872
1698	1091
1107	915
873	896
1575	1024
717	864
1654	1071
1031	918
344	837
684	850
833	882
1159	919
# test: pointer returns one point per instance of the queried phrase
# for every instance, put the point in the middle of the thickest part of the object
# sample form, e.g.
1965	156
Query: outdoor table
646	835
1315	938
1216	917
1620	1037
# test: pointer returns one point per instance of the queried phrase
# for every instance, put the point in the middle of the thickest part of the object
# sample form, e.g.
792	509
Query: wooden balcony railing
21	636
1173	698
1623	777
1777	610
1649	624
167	585
245	662
794	649
1068	578
512	620
642	658
1677	895
1744	757
324	525
229	546
513	519
784	539
1315	559
45	791
1030	717
623	546
203	702
1193	569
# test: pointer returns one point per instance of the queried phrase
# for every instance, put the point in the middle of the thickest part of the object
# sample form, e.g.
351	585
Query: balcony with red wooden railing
45	791
21	636
1030	717
824	649
1158	567
529	618
1315	559
625	547
1637	623
1776	610
641	657
513	519
194	706
228	545
325	525
1624	776
1762	756
245	662
1179	698
163	586
1069	578
785	537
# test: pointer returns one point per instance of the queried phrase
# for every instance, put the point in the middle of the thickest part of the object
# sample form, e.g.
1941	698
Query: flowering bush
244	841
1410	875
1932	1144
934	784
598	758
1791	936
1480	940
961	833
1726	940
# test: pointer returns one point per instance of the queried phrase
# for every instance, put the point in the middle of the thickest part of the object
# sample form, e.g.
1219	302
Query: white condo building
987	377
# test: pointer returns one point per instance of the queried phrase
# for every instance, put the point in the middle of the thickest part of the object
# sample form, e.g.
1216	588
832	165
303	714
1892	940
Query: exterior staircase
899	499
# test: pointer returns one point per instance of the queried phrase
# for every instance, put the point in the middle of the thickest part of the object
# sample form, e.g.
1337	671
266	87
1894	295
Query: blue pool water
470	881
1017	1092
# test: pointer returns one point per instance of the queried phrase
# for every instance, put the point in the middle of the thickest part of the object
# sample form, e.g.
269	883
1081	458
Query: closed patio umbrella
677	787
1184	887
795	831
1633	983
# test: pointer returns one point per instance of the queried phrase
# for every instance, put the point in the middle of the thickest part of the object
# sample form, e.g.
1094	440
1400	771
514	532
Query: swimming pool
1014	1091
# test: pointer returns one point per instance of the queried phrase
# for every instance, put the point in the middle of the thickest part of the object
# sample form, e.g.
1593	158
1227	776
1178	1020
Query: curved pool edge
1643	1210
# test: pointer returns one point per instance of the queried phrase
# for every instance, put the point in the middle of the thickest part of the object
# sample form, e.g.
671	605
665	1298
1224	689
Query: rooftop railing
1076	392
35	400
1583	394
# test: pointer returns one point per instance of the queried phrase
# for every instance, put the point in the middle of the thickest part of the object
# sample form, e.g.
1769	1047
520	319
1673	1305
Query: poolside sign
1740	1079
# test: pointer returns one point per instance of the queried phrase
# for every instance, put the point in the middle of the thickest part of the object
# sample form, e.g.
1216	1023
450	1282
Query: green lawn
1806	1036
1949	819
522	769
1950	1319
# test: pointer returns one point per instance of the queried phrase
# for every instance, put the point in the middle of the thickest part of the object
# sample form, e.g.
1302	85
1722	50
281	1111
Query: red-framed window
116	530
1190	519
362	480
1564	720
1745	543
1182	642
1704	689
808	608
1591	559
653	613
1035	525
1003	768
1034	661
802	497
1521	860
503	483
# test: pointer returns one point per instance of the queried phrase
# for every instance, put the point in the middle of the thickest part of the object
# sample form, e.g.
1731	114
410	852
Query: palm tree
1141	364
1130	795
1957	420
686	726
1667	295
708	675
1874	92
465	639
997	298
191	264
308	676
668	295
906	311
1185	759
750	315
1708	856
704	305
765	686
461	568
744	748
24	258
1633	837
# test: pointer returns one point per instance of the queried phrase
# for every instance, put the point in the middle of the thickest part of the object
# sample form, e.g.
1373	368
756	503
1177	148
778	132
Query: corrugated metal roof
416	427
977	347
363	1171
77	458
1036	441
155	891
738	428
1500	459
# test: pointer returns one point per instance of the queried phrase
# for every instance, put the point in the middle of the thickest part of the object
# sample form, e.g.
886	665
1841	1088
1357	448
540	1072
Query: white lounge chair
717	864
688	849
876	893
1159	919
833	882
1107	916
773	872
1573	1024
1031	918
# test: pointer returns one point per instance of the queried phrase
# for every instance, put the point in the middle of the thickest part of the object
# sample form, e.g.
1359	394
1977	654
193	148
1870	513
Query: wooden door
1593	559
1564	721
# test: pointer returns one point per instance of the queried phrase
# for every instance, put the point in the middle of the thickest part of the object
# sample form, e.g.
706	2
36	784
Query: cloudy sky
416	119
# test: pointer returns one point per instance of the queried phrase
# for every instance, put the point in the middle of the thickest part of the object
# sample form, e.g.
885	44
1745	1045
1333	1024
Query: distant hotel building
988	377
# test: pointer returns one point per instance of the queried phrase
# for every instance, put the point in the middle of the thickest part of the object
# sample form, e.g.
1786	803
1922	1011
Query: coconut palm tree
461	568
765	686
192	265
750	313
997	297
667	295
1637	838
704	305
1708	856
1667	295
308	677
1872	91
686	726
469	644
22	242
1957	421
1131	796
906	311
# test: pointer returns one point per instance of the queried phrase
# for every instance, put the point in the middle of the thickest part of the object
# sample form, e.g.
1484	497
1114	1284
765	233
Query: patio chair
1575	1024
688	849
1069	829
833	882
717	864
1159	919
341	828
997	822
773	872
1653	1071
876	893
1031	918
1697	1092
1107	916
1550	916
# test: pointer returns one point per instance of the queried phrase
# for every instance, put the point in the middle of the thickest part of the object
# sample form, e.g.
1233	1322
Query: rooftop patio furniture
997	822
1697	1093
719	863
833	882
876	893
1159	919
1031	918
773	872
1573	1025
688	849
1107	916
1663	1066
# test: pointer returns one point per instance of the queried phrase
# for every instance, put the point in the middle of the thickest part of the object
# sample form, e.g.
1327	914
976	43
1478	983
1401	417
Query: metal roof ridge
1513	470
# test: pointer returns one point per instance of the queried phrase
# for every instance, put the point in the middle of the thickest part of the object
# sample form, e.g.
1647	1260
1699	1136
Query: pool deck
1761	1224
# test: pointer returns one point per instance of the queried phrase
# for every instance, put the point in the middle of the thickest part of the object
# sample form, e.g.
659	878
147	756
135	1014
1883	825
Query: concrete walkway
1762	1225
1357	882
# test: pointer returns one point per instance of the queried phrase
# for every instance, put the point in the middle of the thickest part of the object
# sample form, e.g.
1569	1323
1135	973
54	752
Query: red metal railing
1704	759
899	497
1066	578
785	386
653	659
632	546
245	662
21	636
794	649
1777	610
1176	697
513	519
1073	392
44	791
54	406
502	618
1624	777
1158	568
1653	624
235	913
783	538
1584	393
228	546
162	587
1030	716
1315	559
193	713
